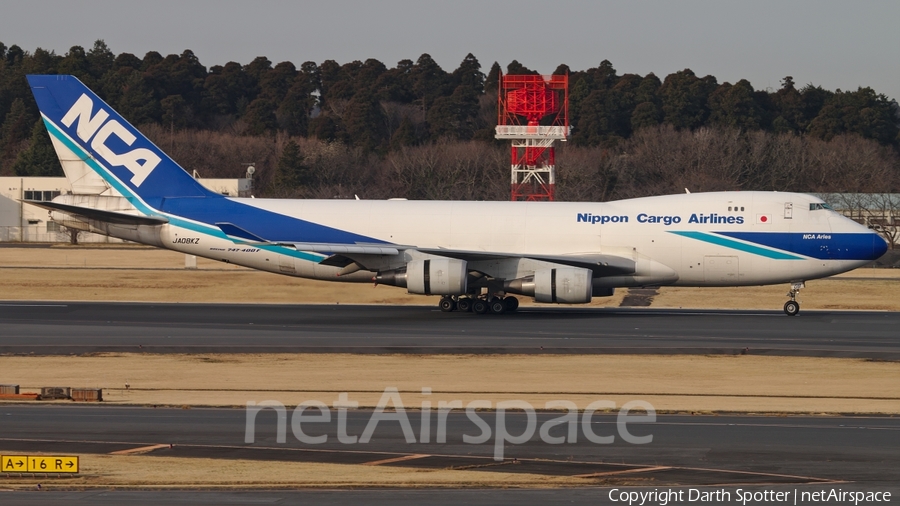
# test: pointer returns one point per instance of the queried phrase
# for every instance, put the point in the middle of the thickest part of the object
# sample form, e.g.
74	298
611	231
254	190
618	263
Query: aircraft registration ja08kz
474	254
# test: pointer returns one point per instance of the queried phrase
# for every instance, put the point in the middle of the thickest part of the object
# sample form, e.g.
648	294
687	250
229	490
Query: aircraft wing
358	248
341	254
243	236
601	265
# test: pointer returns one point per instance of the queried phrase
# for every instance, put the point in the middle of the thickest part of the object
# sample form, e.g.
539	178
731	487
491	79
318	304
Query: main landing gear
479	305
792	307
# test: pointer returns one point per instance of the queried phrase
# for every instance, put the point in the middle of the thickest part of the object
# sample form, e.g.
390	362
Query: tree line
418	131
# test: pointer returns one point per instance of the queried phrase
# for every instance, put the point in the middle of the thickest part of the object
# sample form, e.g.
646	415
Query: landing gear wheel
511	303
497	306
464	304
479	306
791	308
447	304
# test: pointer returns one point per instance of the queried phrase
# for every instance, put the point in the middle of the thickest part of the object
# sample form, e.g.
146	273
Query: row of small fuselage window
812	207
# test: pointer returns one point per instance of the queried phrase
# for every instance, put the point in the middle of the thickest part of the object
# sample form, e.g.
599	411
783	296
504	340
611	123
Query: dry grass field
152	472
674	383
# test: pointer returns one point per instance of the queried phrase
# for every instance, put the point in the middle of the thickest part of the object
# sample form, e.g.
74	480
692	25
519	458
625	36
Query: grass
680	383
146	472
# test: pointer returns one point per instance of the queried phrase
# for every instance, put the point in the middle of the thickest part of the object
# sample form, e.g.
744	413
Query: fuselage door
720	269
286	264
788	210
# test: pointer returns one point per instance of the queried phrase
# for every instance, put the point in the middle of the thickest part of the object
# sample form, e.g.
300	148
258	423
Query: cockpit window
816	206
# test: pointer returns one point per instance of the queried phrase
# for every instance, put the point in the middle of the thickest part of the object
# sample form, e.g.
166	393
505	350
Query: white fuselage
642	229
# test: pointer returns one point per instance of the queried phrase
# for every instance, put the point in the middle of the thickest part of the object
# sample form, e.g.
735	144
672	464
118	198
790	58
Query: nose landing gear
792	307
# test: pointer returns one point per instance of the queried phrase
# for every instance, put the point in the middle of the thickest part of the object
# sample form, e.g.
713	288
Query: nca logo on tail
139	161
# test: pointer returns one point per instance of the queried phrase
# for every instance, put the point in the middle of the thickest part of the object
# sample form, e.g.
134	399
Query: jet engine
564	285
433	276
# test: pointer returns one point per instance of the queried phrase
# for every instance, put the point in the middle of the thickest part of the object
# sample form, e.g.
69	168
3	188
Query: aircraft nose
879	246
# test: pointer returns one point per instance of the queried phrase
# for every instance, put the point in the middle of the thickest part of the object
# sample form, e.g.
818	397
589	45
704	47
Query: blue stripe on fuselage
740	246
822	246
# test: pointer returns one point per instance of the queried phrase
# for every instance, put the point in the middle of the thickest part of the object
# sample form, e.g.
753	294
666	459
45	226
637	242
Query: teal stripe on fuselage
741	246
149	211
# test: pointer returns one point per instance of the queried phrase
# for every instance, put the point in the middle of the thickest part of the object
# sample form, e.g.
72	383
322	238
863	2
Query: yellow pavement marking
139	450
395	459
625	471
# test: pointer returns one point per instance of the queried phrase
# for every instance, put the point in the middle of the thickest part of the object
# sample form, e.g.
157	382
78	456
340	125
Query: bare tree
884	216
654	160
73	233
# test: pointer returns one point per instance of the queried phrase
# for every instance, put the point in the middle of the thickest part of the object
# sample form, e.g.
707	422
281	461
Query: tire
464	304
791	308
479	306
447	305
497	306
511	304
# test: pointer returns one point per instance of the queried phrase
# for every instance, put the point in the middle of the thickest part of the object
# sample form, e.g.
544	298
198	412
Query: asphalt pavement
686	452
86	327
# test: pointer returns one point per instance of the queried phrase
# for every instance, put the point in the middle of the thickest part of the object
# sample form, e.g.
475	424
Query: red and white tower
533	115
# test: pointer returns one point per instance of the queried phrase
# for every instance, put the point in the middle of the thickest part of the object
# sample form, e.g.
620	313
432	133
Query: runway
753	452
858	448
88	327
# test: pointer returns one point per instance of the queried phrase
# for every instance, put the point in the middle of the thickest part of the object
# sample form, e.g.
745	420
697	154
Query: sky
833	44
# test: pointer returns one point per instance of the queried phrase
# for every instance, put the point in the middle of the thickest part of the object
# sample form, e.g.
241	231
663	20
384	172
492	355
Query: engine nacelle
564	285
437	276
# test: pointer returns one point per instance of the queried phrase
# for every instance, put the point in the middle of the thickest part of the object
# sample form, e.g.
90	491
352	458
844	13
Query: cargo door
720	269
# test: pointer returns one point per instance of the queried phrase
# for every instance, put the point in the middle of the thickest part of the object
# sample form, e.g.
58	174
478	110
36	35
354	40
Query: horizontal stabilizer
99	214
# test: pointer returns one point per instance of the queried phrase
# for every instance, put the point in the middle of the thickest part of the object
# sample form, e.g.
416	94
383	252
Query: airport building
878	211
22	222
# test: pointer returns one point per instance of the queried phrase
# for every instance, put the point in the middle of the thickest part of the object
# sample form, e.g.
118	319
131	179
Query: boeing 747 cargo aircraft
472	254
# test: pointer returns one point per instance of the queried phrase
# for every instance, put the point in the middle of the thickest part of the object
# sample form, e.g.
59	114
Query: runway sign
39	464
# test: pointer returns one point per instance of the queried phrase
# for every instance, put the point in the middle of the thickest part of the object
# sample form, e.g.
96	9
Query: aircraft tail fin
100	151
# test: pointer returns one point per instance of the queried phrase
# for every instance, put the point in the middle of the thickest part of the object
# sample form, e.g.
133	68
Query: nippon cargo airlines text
713	219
